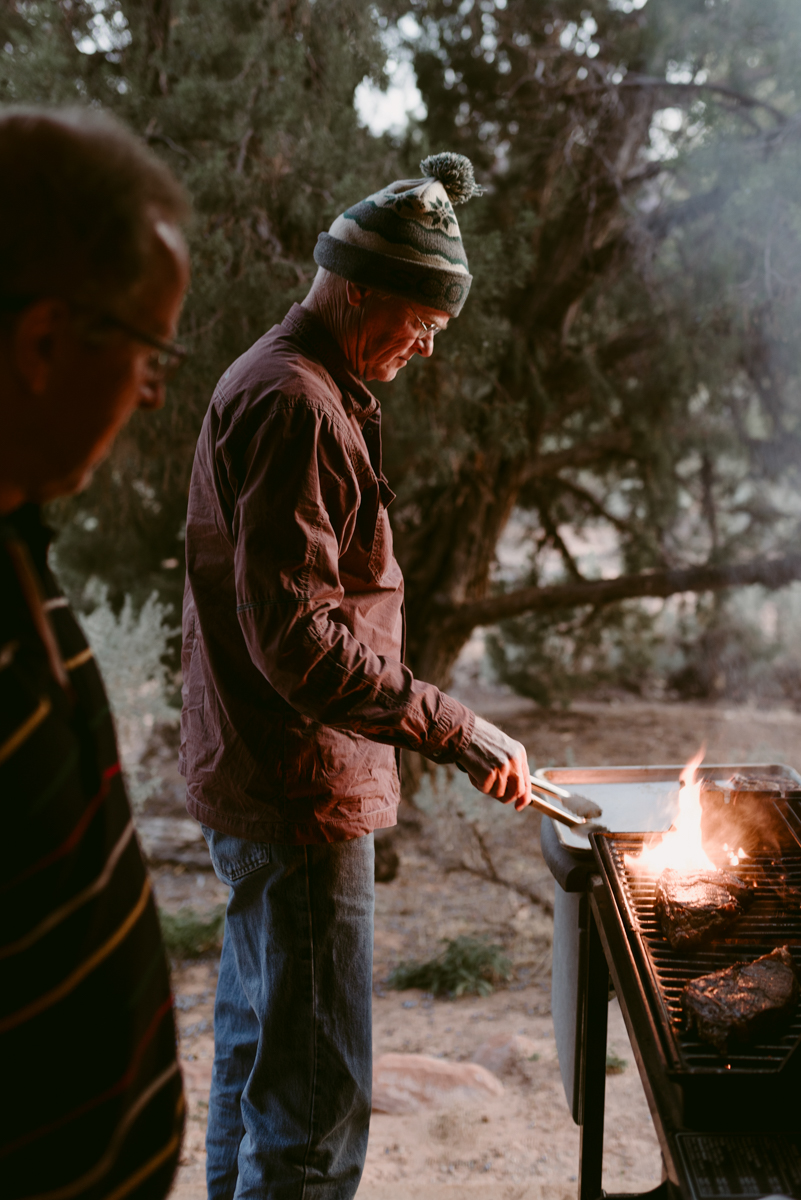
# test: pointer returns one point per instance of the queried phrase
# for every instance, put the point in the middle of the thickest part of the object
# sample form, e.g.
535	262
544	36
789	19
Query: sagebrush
467	966
131	647
189	934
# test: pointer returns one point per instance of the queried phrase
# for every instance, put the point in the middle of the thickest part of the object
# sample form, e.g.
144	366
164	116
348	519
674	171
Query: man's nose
425	344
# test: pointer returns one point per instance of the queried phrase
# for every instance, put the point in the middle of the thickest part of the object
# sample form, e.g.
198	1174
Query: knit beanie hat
405	239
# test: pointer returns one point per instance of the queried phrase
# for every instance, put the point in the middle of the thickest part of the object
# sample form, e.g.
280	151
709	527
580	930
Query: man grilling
296	699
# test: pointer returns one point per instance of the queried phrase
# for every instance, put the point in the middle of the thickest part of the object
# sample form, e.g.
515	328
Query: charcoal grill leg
593	1057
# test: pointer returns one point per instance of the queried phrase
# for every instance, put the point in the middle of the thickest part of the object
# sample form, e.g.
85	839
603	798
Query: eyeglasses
162	365
168	357
426	326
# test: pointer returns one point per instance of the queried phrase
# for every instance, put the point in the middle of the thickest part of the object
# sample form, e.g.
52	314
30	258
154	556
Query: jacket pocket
381	552
193	687
375	529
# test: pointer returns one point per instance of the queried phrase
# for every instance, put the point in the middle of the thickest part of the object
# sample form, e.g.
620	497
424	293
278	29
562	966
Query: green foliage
467	966
626	370
188	934
131	647
251	104
615	1065
554	657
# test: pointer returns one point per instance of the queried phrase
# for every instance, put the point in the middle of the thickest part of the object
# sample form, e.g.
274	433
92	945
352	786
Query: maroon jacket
294	689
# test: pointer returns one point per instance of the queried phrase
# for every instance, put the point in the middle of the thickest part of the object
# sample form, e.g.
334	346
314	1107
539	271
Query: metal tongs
546	806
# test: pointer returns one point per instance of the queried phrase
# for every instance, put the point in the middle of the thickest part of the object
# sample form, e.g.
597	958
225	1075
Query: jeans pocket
234	858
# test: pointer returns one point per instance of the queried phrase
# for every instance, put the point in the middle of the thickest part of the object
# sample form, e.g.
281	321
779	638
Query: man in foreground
295	695
93	269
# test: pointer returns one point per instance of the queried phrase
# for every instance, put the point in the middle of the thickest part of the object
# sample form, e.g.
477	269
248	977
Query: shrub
130	648
467	966
189	934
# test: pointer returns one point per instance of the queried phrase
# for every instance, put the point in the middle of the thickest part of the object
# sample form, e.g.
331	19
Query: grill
727	1126
767	924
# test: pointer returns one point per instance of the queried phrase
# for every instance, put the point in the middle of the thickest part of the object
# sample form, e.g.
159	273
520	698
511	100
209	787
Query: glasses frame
427	326
171	355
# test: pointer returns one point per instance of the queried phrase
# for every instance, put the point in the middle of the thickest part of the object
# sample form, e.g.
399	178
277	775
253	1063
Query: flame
680	848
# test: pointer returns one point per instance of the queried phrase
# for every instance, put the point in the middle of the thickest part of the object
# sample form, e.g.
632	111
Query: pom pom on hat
455	173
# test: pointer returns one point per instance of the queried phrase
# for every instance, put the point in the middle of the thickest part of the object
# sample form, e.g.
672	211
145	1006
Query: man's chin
386	372
67	485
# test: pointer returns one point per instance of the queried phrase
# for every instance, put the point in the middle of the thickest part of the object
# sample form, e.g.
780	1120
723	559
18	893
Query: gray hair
77	208
329	288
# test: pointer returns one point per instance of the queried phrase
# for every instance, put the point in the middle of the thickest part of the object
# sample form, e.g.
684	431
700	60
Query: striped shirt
93	1104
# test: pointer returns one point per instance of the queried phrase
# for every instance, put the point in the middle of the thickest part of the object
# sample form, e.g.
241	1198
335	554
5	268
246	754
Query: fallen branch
490	874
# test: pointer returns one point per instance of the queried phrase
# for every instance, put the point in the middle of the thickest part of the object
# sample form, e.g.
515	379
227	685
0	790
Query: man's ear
33	342
357	295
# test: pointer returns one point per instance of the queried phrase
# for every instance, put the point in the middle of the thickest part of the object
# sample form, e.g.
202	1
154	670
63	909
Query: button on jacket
294	689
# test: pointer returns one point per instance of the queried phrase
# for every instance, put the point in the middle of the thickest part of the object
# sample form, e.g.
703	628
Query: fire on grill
698	903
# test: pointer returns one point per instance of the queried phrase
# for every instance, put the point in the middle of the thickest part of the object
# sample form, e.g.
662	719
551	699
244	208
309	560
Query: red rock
404	1083
503	1051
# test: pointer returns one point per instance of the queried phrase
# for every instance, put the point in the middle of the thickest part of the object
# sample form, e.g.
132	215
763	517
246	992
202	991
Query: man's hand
497	765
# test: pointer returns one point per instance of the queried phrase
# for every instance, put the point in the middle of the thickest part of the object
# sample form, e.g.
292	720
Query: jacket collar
315	338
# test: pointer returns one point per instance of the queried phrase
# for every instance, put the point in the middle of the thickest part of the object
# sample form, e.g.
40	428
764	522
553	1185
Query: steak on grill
741	1003
693	907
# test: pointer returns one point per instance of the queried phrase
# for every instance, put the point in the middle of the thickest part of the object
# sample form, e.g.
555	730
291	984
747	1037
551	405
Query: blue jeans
290	1094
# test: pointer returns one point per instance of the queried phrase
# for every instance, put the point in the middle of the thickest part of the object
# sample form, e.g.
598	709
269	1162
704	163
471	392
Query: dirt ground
522	1145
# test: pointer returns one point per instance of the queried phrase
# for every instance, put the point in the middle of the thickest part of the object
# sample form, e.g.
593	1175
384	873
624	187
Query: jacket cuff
453	732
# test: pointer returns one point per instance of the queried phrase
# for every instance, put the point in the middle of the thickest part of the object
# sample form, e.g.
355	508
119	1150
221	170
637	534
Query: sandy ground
522	1145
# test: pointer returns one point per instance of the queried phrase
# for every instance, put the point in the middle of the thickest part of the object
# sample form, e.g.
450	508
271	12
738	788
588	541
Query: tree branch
690	210
556	539
770	572
491	875
633	80
614	442
587	498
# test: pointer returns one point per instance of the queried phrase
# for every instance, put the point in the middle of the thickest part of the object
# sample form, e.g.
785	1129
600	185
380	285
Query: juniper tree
627	360
251	103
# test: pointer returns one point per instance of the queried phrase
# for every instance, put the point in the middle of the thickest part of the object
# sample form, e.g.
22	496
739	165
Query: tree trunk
447	559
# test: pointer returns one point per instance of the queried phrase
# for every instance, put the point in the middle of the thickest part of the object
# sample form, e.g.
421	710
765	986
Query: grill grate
770	922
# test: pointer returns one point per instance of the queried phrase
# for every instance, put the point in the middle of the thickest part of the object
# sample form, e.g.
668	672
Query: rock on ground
502	1053
404	1083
